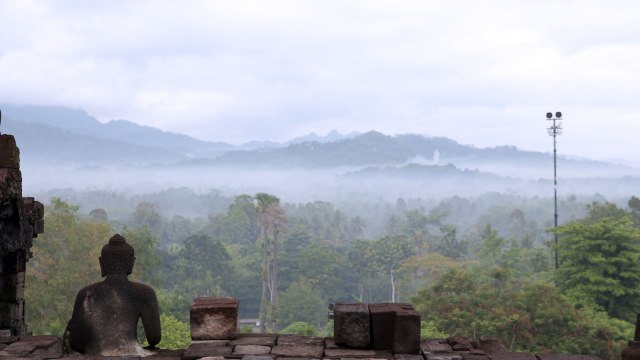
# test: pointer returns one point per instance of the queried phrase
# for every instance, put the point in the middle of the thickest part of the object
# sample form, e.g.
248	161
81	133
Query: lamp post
554	131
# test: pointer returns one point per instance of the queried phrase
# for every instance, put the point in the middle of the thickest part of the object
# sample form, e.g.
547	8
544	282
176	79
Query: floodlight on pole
554	131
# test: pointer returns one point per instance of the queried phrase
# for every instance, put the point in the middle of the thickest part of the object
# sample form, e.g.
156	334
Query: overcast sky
480	72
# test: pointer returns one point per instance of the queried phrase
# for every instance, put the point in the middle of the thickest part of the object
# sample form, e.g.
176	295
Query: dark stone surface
166	355
300	340
566	357
453	340
214	318
407	357
251	350
9	152
255	339
106	314
352	325
36	347
512	356
199	350
442	356
462	347
470	356
406	335
330	343
258	357
435	346
21	219
349	353
382	326
309	351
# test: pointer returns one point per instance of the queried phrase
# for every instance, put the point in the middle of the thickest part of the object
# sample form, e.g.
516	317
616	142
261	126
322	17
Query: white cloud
480	72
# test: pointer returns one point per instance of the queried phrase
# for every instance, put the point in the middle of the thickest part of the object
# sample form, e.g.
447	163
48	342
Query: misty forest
465	234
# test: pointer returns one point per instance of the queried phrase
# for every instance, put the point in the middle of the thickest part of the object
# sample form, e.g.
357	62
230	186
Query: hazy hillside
78	122
63	148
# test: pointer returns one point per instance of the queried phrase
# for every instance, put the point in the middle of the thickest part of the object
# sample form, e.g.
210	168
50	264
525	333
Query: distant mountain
70	137
45	144
332	136
372	148
79	122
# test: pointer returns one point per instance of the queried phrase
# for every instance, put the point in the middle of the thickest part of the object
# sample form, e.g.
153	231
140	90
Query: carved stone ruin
105	315
21	219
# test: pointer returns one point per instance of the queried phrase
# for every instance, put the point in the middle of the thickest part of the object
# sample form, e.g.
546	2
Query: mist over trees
463	233
477	266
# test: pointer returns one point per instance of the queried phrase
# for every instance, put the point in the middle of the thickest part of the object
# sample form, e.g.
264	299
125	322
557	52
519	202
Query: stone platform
285	347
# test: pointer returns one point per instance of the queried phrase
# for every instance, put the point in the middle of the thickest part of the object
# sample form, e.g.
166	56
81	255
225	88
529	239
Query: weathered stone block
255	339
406	337
382	326
9	153
202	349
408	357
304	351
442	356
251	350
35	347
452	340
330	343
348	353
352	325
300	340
512	356
163	354
435	346
470	356
214	318
566	357
258	357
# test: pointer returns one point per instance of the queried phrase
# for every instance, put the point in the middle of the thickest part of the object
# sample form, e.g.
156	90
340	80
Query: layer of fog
334	185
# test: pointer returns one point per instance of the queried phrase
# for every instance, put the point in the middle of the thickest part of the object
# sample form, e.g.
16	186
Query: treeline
473	267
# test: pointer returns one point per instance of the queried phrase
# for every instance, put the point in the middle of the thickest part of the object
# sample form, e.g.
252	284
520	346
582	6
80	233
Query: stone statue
105	314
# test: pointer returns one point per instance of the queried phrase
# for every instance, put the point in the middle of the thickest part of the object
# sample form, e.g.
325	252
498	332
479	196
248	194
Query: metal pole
555	192
555	130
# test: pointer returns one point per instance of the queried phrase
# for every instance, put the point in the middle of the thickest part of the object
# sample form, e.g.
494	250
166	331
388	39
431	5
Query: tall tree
272	224
599	260
390	252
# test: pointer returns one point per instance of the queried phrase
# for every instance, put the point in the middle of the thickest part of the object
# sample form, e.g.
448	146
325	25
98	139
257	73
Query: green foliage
531	317
146	248
318	266
599	258
176	334
200	265
429	330
65	260
302	303
246	329
300	328
495	280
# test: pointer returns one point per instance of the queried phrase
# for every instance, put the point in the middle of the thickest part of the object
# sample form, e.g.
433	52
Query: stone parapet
290	348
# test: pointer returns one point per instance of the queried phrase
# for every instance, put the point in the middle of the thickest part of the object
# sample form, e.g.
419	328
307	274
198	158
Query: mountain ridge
74	137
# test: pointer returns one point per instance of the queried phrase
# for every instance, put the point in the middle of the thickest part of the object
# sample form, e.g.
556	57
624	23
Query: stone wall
21	219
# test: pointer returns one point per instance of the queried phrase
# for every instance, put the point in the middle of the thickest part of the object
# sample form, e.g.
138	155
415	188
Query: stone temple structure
21	219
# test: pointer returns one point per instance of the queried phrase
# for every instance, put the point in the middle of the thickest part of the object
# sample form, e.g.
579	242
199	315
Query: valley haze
68	148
